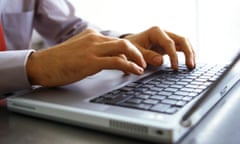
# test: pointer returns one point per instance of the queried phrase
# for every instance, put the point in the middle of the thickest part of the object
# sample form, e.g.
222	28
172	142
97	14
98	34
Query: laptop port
159	132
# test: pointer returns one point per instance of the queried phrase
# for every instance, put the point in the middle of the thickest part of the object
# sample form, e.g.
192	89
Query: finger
120	64
124	58
185	46
92	35
160	37
85	32
120	46
151	57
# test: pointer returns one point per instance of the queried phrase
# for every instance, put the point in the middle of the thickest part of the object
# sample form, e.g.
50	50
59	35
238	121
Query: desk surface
221	126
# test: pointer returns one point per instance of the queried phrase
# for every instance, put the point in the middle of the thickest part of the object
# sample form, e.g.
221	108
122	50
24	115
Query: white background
213	26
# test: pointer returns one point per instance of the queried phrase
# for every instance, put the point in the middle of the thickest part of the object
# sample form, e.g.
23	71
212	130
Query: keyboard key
169	101
202	87
166	91
175	97
214	78
157	89
192	86
197	90
186	80
176	86
162	86
201	80
158	97
187	98
133	85
181	103
182	83
151	101
134	100
190	77
182	93
187	89
142	96
168	83
150	92
116	99
196	83
137	106
207	83
127	89
193	94
172	79
163	93
160	107
171	110
171	89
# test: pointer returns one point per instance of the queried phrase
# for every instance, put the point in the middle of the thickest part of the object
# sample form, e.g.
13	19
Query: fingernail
193	64
175	66
144	64
138	69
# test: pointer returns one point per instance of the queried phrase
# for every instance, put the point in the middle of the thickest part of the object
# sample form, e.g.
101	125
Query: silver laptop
160	106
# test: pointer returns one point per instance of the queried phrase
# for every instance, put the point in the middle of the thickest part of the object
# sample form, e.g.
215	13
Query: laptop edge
135	123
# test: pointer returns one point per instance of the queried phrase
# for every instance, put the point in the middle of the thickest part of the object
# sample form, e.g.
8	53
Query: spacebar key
117	99
137	106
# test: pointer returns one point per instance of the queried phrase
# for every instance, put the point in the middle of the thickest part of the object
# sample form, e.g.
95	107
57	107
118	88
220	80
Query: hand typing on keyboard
76	51
155	42
165	91
92	52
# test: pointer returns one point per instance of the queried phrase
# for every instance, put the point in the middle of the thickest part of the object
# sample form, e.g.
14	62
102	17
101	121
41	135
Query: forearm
61	24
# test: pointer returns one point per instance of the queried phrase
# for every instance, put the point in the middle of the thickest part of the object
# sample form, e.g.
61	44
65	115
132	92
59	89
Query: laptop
162	105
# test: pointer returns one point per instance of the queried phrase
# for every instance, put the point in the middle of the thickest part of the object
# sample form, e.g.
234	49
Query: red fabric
2	40
3	103
2	48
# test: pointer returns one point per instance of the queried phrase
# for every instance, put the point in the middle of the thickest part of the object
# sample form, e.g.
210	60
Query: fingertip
144	64
138	70
175	67
174	64
191	64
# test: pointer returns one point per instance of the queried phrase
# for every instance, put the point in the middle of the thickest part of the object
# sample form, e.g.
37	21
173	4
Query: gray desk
221	126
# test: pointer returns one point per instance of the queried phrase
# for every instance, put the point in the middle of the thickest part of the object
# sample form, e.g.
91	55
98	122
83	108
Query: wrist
125	35
32	68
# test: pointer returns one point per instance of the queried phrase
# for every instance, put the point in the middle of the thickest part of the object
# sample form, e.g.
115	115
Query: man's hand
155	42
83	55
90	52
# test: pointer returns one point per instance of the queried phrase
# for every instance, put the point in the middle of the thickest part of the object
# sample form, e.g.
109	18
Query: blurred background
213	26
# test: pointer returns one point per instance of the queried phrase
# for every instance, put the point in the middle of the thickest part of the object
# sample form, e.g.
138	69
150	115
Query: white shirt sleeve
56	22
13	70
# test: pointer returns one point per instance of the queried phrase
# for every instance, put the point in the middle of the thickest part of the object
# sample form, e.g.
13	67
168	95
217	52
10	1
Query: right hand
83	55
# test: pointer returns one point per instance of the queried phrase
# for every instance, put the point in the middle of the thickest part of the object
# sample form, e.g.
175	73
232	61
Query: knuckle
155	28
169	42
183	39
124	43
92	36
90	30
117	61
96	36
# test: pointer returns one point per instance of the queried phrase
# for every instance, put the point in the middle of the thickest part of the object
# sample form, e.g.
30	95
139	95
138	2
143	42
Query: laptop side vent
128	127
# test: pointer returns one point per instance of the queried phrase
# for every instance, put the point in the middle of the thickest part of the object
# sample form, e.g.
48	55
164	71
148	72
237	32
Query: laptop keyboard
166	91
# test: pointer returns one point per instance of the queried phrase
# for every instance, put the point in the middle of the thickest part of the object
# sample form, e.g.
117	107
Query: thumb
152	57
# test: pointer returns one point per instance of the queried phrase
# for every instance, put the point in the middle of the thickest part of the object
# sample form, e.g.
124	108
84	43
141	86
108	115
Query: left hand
155	42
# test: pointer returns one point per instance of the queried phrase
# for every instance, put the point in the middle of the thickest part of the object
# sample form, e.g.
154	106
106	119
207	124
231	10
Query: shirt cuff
13	73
